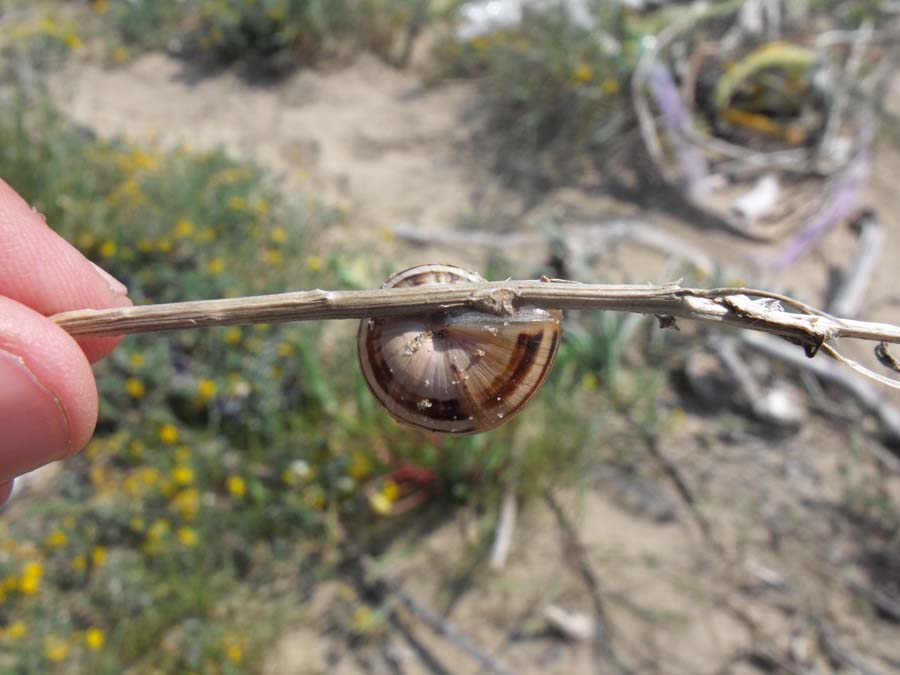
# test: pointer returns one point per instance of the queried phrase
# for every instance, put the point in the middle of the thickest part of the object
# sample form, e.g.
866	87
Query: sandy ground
774	567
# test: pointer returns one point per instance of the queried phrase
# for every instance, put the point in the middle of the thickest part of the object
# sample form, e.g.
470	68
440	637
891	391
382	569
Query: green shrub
269	37
553	91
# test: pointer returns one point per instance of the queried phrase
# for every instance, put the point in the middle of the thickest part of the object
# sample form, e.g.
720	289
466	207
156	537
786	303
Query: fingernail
114	284
33	425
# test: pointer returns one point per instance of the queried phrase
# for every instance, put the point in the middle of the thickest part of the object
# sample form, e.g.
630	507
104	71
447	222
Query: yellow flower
132	486
216	266
380	504
137	359
182	454
94	638
56	648
34	569
365	620
183	475
136	524
149	475
206	389
121	54
164	245
86	240
57	539
589	381
285	349
237	203
187	536
610	86
279	235
233	335
234	653
183	228
79	564
314	263
236	486
262	207
108	248
29	585
98	556
360	466
136	447
187	503
16	630
583	74
206	235
391	490
315	498
73	41
144	245
168	434
382	501
134	387
273	257
159	529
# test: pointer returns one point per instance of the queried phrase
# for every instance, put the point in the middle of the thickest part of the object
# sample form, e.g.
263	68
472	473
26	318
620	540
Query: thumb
48	398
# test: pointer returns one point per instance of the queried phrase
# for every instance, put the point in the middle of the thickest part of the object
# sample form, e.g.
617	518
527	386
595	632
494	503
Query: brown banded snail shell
459	371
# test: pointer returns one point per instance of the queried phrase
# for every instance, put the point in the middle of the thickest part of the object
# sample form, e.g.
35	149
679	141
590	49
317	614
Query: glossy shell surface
456	372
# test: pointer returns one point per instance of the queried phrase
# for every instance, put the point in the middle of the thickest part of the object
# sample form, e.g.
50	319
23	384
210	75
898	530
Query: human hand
48	397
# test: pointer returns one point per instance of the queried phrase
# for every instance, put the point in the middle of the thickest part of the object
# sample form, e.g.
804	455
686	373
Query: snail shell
459	371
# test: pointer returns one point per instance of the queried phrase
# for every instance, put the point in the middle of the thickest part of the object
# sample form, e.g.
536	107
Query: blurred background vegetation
229	459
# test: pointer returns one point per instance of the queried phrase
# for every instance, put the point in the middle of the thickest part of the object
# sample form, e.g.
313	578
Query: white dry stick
849	298
591	238
732	306
506	525
810	328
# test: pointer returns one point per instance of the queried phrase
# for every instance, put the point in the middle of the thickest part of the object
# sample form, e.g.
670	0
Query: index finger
40	269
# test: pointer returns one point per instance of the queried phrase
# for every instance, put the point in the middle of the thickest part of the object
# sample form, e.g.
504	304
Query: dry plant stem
731	306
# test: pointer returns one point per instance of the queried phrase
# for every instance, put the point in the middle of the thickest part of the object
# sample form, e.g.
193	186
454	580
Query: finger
40	269
48	398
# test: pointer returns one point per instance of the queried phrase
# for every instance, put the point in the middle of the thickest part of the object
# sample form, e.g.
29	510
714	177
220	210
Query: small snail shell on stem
460	371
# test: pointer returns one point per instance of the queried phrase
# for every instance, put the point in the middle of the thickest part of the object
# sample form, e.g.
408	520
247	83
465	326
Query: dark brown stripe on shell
470	411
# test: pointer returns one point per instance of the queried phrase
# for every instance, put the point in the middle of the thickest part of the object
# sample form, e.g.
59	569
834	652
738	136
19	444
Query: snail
459	371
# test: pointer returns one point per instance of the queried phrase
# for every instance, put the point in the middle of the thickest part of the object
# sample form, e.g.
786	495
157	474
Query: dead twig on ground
869	397
433	620
586	238
855	283
675	475
506	525
603	633
842	654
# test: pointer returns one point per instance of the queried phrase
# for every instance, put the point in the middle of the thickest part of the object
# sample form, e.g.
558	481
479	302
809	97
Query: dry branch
732	306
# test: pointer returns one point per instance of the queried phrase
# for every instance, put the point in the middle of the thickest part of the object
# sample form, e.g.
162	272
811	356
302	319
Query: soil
740	559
